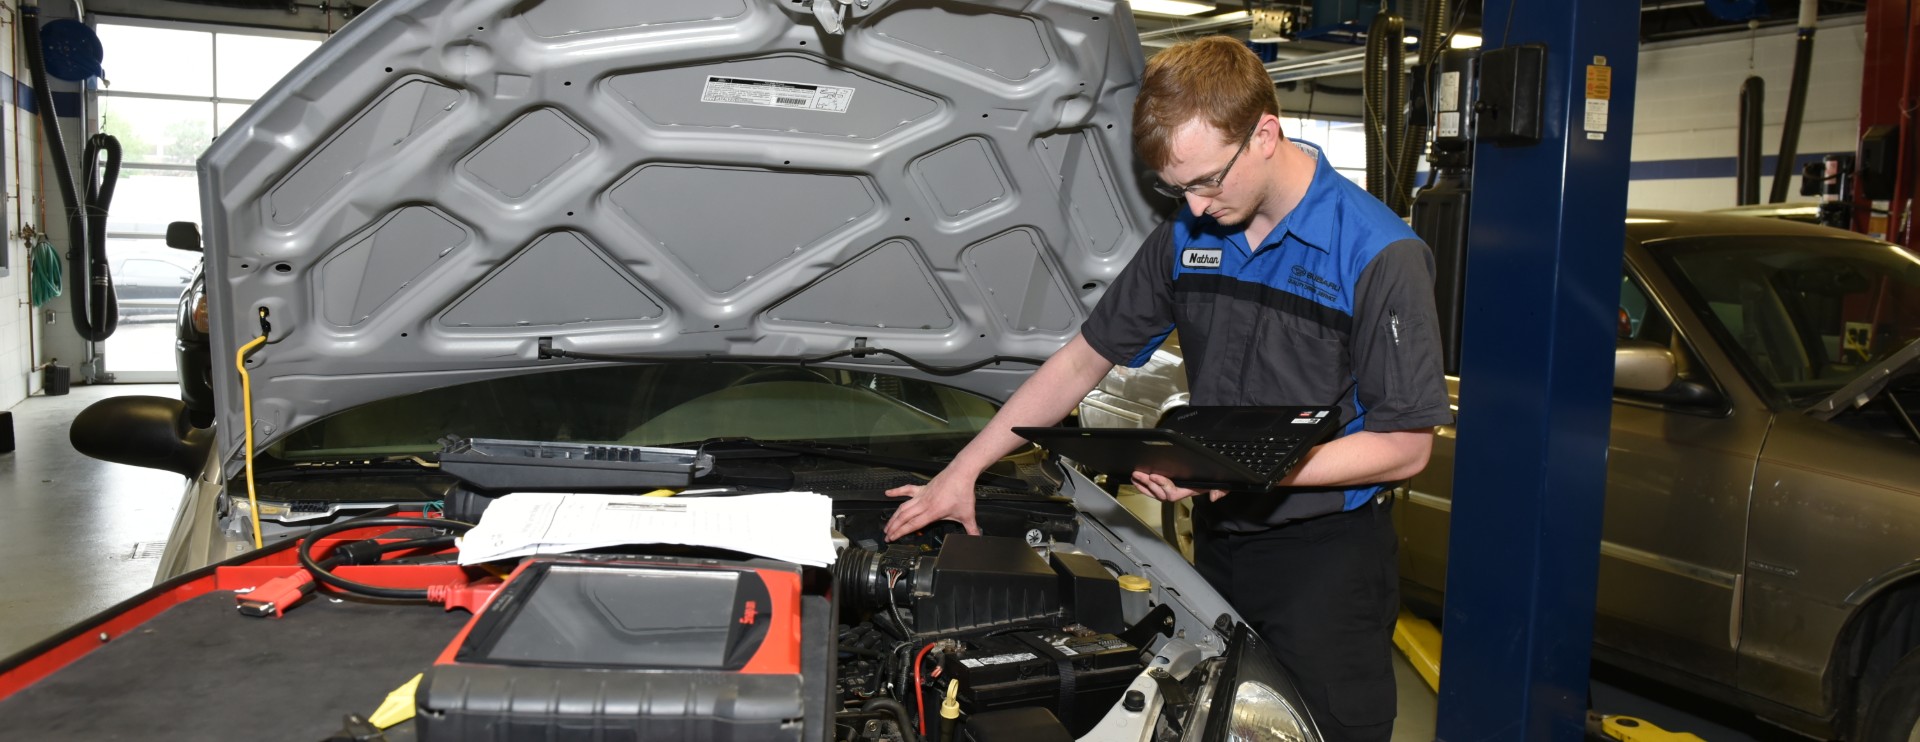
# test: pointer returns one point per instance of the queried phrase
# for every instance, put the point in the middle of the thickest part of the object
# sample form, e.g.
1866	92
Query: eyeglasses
1211	186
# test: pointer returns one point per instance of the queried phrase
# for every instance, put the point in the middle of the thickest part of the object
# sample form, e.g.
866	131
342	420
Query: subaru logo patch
1200	258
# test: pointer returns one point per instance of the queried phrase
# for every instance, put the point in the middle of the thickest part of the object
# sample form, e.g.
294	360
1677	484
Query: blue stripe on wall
14	92
19	93
1709	167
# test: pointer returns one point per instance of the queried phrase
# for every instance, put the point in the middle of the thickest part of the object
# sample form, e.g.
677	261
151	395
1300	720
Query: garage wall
16	354
1685	121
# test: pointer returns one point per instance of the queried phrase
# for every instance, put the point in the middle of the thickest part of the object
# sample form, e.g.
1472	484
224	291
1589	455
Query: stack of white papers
789	526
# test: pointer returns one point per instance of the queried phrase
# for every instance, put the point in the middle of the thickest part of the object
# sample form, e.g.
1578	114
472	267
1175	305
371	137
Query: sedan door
1679	469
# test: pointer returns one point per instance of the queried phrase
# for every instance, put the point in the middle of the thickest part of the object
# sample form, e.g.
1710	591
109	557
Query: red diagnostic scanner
633	647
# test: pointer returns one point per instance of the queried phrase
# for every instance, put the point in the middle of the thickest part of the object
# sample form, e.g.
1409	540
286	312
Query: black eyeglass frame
1211	186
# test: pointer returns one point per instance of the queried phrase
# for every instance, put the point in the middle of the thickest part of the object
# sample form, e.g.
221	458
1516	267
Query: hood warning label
746	91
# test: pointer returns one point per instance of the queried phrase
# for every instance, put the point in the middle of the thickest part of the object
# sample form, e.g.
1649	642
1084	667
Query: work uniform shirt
1334	307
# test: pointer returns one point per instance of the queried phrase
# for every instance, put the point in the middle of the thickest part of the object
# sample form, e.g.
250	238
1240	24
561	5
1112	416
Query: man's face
1216	173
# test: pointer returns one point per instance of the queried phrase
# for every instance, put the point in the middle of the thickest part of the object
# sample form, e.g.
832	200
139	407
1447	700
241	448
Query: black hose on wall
90	283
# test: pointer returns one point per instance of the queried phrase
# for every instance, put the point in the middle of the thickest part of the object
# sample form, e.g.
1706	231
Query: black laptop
1229	448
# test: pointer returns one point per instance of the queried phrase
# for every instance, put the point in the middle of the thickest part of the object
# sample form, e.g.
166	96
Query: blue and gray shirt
1335	304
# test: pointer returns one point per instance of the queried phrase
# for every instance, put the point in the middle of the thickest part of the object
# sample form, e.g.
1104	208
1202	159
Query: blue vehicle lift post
1542	295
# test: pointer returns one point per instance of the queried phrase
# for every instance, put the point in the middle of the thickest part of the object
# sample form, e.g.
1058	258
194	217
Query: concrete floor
76	535
79	535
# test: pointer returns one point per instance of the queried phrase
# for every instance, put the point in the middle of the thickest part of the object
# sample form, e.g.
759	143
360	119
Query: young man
1289	286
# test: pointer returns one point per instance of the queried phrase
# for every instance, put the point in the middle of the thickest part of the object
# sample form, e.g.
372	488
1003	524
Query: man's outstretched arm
1044	399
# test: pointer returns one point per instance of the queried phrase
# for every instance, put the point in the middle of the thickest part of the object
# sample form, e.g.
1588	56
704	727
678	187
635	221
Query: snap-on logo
1199	258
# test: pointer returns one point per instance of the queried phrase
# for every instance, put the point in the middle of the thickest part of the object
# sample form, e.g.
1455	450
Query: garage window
171	89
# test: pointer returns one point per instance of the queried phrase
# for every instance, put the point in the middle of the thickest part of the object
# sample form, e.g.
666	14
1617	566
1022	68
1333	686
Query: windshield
1804	315
658	405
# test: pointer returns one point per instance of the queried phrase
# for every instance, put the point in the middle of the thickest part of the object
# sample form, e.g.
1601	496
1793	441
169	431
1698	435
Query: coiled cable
45	273
320	570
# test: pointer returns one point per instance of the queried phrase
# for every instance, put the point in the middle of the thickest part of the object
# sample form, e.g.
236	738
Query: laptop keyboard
1262	455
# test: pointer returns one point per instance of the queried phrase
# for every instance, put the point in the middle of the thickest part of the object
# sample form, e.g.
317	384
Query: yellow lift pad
1629	729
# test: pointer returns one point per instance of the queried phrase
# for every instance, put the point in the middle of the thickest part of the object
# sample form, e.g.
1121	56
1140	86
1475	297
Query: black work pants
1324	593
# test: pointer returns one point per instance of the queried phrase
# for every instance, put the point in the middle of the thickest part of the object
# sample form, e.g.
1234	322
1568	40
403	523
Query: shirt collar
1311	220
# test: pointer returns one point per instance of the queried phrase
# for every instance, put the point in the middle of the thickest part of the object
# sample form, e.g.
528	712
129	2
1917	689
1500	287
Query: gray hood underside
445	183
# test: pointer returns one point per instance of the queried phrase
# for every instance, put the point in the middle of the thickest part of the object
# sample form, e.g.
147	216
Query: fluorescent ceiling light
1170	7
1465	41
1410	39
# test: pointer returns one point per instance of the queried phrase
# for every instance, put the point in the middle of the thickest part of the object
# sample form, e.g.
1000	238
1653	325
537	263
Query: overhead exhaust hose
1399	150
1783	169
1384	78
1419	117
1746	181
95	311
99	196
1373	102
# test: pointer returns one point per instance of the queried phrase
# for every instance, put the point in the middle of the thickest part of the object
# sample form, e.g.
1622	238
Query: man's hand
1163	489
948	497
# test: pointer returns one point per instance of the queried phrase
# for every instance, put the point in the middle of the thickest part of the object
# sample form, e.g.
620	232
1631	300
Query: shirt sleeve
1396	341
1136	314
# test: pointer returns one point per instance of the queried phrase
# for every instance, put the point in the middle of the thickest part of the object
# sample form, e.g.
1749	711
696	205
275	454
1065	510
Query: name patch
1200	258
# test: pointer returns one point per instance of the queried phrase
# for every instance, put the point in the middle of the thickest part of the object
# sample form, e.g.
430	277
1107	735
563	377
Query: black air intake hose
95	311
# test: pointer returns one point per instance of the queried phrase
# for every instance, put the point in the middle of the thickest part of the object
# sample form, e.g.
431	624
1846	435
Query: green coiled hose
44	273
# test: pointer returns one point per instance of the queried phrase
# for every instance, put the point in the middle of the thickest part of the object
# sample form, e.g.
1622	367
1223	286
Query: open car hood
446	184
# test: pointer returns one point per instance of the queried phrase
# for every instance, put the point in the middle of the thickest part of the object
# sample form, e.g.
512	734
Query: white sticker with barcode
746	91
1449	91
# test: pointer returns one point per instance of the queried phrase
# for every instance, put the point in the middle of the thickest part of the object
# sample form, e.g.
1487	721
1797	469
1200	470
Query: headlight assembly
1261	715
1259	698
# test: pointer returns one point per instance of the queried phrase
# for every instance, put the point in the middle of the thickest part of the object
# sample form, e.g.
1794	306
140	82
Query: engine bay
1009	635
1064	619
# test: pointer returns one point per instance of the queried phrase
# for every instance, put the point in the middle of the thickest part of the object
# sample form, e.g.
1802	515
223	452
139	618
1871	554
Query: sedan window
1804	315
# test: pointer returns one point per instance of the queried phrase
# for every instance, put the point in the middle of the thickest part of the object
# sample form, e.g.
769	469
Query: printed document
789	526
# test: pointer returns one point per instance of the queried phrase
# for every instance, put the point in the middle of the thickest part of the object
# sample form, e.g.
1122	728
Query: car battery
1079	676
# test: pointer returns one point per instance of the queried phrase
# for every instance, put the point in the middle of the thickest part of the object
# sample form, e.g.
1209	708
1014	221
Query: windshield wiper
860	349
858	455
390	462
1869	384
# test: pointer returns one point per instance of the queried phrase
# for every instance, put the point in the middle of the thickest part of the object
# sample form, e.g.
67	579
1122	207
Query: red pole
1900	209
1886	88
